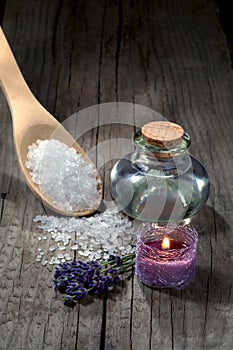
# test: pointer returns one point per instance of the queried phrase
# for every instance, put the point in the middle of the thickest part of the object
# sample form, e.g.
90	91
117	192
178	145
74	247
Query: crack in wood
24	214
71	52
103	326
159	308
211	258
44	332
151	320
172	326
229	293
131	313
99	83
3	196
56	21
44	209
62	334
118	47
21	264
100	57
206	311
56	96
184	324
77	329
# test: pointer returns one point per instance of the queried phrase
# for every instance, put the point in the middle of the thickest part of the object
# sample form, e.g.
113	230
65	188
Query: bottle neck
161	162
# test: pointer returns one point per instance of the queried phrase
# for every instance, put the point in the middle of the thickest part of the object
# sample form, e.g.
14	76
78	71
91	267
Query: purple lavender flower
115	259
78	279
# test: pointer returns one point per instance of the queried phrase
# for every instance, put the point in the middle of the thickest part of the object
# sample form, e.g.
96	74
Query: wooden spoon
32	122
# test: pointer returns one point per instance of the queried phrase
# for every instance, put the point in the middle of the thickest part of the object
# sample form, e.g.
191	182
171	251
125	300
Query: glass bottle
160	182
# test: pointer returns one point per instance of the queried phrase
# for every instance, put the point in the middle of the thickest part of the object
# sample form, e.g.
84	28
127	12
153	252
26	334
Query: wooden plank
189	97
31	315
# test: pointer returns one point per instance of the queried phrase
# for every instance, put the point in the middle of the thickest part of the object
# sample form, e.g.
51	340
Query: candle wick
166	243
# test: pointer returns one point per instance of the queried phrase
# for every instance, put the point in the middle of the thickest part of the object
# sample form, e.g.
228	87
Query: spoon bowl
31	121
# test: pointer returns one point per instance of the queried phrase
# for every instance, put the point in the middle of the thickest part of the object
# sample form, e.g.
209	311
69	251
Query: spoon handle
15	89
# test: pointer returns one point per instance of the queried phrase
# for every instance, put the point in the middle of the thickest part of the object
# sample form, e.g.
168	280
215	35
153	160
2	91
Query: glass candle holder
166	255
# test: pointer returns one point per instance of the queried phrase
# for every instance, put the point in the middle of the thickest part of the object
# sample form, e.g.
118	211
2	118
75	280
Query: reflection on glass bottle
159	181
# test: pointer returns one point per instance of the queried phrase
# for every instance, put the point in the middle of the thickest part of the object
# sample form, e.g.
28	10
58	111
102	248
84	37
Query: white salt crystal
52	248
97	242
63	175
54	261
121	248
85	253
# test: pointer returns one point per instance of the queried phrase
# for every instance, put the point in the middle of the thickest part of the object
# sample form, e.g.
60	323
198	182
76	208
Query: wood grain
168	55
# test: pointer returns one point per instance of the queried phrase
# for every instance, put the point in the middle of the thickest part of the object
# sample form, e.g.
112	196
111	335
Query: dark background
225	16
222	6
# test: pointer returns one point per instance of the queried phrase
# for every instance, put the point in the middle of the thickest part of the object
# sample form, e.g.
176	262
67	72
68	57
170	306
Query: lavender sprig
78	279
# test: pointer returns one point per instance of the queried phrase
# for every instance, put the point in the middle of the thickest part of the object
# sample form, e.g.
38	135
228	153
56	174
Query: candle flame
166	243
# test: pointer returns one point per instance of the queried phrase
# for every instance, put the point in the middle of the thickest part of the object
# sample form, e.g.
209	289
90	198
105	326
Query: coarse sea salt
63	175
109	232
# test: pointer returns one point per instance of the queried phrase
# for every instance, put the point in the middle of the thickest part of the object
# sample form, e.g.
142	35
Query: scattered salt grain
52	248
81	252
38	258
91	238
54	261
63	175
67	257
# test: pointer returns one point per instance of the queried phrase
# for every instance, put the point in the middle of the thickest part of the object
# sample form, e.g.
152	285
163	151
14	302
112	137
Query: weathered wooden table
168	55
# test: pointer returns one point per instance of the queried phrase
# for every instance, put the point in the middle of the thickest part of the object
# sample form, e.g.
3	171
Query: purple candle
166	255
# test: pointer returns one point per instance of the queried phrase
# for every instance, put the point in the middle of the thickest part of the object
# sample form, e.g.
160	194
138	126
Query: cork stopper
162	134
